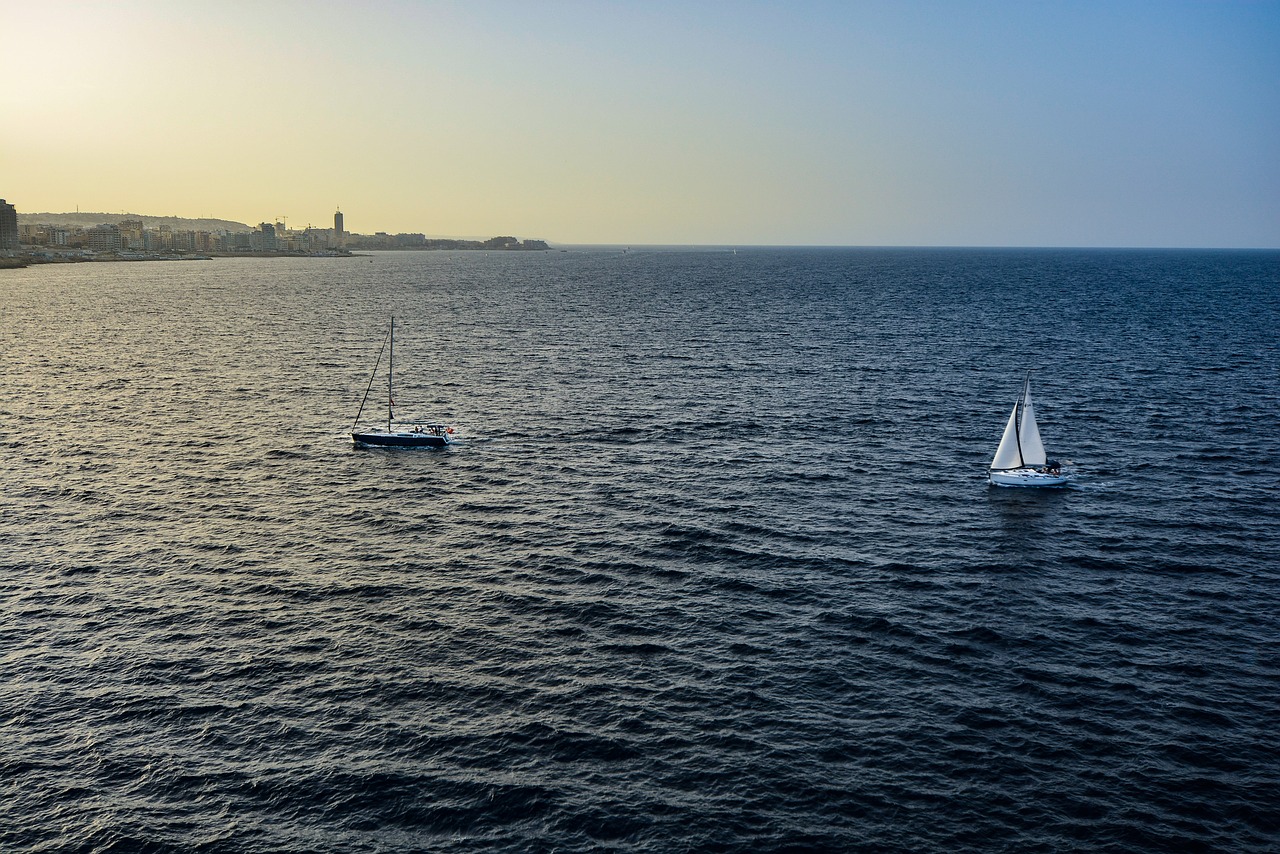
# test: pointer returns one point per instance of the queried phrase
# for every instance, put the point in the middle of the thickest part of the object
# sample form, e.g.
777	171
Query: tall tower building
338	233
8	227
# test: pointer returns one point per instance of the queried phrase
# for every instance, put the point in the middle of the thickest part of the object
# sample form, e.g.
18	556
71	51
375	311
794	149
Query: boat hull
1026	477
401	440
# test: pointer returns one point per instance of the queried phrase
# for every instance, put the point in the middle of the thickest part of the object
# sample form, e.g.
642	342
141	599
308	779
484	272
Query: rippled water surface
714	566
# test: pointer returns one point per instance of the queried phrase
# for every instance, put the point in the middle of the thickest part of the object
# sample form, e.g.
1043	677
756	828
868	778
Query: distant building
239	241
158	239
103	238
8	227
338	233
317	238
267	237
132	234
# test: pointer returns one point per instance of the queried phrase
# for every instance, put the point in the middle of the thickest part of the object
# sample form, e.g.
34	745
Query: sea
713	565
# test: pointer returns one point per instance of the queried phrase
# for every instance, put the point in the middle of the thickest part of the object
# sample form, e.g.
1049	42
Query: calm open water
714	568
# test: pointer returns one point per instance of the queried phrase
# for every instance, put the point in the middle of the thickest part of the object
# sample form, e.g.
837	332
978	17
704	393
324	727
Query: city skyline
1128	124
47	237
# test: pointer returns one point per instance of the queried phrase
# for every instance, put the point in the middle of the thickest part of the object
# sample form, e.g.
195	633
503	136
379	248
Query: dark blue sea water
715	566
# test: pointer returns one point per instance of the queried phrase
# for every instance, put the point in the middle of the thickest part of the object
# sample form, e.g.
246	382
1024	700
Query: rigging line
372	377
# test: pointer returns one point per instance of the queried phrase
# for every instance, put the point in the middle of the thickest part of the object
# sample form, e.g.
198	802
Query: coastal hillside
89	220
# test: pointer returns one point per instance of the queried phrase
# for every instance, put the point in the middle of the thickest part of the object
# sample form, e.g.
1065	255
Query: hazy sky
852	123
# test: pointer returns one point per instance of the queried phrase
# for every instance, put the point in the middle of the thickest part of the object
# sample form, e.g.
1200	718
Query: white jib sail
1007	454
1032	448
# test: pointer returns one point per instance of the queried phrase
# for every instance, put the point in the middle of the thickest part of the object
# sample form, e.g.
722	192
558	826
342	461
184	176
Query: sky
789	123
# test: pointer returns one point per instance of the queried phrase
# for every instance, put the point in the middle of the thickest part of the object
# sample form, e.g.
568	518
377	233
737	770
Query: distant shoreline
104	257
27	259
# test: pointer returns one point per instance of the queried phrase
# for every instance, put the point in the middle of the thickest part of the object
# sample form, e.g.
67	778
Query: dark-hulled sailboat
396	435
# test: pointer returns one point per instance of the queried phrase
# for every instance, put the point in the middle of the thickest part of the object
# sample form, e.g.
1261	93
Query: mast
1020	408
391	358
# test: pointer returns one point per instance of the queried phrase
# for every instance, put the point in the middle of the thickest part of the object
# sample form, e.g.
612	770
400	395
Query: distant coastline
89	219
421	242
53	238
26	259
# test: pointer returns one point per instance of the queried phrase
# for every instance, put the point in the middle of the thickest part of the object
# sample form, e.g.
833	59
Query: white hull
1026	477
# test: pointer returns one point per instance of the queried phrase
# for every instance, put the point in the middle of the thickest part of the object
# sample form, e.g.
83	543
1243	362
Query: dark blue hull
400	440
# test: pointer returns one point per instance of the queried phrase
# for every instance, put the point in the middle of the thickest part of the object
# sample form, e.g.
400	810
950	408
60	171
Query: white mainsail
1007	456
1029	434
1020	446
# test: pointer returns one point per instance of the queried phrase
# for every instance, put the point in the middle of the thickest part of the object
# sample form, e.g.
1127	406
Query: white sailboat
1021	460
397	435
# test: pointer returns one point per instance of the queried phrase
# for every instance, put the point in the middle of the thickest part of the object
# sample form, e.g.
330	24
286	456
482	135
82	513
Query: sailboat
396	435
1020	460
